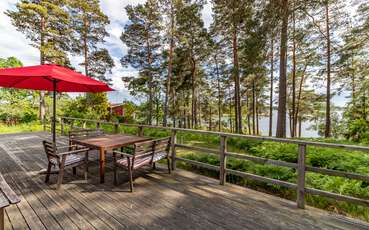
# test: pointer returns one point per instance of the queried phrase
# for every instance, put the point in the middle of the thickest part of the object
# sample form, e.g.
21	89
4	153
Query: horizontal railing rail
300	167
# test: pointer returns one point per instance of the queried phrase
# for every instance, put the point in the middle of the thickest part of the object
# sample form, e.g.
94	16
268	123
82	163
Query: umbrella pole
54	113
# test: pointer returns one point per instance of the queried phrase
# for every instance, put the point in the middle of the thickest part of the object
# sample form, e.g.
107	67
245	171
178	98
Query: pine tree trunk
85	46
42	104
230	112
150	81
328	97
257	115
194	96
236	75
248	114
271	88
170	66
294	118
219	96
281	122
210	120
297	114
253	108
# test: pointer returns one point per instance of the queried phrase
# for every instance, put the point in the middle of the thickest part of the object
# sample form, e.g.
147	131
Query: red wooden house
116	110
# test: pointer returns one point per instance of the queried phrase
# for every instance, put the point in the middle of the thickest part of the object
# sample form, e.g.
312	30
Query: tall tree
282	97
46	24
143	39
170	8
327	17
88	23
193	41
228	20
100	64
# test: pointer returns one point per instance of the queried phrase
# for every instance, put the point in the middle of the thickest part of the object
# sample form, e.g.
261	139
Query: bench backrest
84	133
150	148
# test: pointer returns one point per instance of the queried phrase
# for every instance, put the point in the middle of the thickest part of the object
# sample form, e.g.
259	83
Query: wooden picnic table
105	143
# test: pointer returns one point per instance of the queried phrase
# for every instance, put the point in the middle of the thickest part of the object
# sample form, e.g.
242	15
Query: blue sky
14	43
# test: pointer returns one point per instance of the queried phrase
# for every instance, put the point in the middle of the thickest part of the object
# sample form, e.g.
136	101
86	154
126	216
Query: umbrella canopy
42	77
50	78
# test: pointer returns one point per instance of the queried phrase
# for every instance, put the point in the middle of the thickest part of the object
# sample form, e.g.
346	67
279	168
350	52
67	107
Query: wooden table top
110	141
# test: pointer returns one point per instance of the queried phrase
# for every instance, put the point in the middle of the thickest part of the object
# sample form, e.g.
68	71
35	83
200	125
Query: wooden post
2	224
223	160
97	125
140	131
301	177
173	141
62	126
71	124
116	128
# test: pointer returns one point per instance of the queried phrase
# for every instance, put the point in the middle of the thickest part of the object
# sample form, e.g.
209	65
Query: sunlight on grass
28	127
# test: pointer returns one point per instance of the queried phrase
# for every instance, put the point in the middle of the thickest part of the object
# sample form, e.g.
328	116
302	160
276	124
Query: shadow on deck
182	200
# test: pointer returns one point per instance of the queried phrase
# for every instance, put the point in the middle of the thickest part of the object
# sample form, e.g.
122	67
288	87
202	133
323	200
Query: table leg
102	166
2	219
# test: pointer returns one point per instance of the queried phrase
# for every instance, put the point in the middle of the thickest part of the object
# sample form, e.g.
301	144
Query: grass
20	128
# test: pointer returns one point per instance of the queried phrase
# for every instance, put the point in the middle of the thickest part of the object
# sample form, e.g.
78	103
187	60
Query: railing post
301	176
223	160
173	141
97	125
116	128
71	124
62	126
140	131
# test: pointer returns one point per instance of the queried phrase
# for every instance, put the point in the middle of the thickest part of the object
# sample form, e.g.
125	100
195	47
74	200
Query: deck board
182	200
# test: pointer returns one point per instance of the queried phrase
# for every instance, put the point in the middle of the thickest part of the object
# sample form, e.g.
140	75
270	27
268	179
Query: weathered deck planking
182	200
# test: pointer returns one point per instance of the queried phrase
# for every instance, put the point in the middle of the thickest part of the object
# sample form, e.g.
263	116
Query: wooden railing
223	154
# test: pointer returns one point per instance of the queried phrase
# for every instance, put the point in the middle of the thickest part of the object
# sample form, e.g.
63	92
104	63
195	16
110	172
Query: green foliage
91	106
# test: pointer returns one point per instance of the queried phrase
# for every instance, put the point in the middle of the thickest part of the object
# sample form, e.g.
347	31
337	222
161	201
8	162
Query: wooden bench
144	153
7	197
64	159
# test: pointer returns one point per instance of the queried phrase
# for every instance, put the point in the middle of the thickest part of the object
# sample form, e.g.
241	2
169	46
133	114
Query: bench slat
8	193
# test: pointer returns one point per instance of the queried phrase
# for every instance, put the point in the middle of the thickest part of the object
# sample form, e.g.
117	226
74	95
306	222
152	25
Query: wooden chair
63	160
145	153
84	133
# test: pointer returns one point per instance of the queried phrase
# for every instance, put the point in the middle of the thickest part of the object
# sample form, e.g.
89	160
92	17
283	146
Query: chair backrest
51	153
84	133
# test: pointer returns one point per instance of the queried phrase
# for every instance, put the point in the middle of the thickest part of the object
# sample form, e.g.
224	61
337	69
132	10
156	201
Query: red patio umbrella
50	77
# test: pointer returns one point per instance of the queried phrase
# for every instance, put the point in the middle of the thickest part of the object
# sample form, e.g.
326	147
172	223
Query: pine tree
88	24
228	20
193	41
170	8
327	16
143	39
100	64
46	24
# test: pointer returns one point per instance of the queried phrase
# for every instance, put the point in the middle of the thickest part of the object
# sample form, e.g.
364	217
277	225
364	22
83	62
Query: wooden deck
182	200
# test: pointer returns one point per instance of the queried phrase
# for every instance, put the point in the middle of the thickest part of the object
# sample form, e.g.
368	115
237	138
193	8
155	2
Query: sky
14	43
